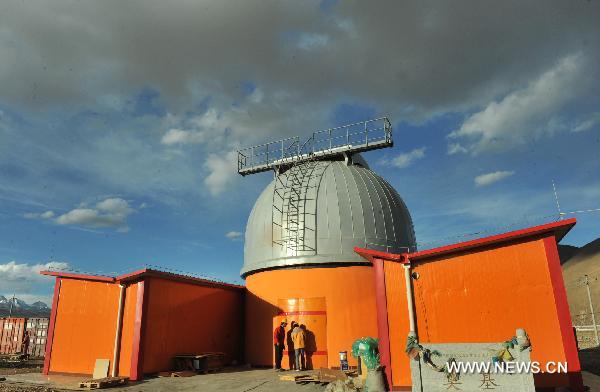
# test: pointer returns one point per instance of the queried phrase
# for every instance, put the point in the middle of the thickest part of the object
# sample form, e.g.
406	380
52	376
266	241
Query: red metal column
51	324
564	315
382	319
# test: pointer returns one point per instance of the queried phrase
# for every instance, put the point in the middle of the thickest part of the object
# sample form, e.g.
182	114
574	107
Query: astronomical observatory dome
317	212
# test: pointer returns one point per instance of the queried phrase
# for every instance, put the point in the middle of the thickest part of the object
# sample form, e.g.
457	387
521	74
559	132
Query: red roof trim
139	274
171	276
71	275
559	229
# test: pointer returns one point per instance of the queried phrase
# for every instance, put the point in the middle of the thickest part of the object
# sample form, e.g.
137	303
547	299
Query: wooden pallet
104	382
308	379
183	373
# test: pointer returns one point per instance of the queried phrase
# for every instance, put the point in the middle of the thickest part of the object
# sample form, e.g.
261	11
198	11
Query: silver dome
317	212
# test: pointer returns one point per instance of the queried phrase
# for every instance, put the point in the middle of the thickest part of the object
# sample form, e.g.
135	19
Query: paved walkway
236	380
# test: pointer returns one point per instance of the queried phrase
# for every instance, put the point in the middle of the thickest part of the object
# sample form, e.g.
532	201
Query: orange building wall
186	318
127	330
397	321
349	294
84	329
479	296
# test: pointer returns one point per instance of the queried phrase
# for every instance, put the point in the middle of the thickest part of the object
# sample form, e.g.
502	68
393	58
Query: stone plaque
430	371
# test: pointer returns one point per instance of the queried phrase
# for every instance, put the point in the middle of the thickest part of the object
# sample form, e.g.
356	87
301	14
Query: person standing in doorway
25	345
299	338
278	342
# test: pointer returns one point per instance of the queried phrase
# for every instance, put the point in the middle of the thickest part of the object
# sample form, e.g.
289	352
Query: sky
120	121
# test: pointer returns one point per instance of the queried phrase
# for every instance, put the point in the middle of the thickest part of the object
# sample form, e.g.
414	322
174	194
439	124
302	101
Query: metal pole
366	135
12	301
560	214
589	294
409	298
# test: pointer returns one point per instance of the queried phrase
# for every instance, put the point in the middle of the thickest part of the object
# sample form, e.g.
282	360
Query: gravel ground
32	366
590	360
20	387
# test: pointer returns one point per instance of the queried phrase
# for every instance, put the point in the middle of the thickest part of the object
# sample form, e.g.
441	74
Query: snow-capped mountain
21	308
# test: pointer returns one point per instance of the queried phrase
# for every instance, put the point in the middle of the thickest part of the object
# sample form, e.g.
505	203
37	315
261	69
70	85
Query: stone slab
426	378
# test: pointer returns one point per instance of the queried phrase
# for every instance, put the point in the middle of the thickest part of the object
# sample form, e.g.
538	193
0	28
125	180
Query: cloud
222	172
178	136
309	41
88	68
34	215
525	114
490	178
24	278
588	123
234	235
408	158
111	212
100	50
456	148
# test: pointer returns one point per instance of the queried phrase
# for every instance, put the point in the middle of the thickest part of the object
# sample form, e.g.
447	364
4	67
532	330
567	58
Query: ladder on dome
298	172
294	214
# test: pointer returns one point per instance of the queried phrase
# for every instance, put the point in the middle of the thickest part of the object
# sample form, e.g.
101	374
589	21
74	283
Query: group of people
298	344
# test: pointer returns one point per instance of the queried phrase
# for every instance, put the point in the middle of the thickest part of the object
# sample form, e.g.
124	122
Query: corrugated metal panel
13	329
354	207
38	334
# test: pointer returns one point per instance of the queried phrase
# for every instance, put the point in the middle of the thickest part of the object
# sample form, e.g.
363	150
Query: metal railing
356	137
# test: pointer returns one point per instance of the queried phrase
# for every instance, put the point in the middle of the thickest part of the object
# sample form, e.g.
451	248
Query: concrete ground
233	380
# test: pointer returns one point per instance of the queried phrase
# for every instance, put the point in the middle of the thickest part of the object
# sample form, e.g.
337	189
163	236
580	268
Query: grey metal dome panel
354	207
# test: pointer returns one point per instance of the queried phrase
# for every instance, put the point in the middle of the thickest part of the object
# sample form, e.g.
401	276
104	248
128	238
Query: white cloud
25	280
111	212
405	159
114	206
221	172
178	136
490	178
44	215
527	113
456	148
200	126
234	235
588	123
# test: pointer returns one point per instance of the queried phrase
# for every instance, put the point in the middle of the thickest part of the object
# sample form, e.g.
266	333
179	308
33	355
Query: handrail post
268	154
366	135
347	137
330	140
252	159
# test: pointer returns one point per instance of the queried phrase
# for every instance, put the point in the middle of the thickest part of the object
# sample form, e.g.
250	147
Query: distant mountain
566	252
23	309
585	261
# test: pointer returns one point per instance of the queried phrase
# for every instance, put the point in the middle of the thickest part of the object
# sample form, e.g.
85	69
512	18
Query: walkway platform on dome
328	143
